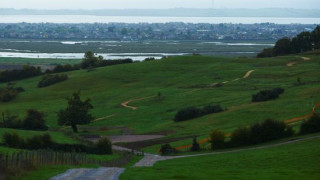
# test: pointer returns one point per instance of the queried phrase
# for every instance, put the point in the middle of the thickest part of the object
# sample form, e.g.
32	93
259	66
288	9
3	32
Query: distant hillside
179	12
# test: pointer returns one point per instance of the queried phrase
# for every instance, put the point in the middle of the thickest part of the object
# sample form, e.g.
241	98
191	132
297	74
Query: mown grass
293	161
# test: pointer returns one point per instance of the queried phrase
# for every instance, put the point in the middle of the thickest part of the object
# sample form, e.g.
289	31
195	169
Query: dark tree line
9	93
50	79
193	112
305	41
25	72
266	95
34	120
103	146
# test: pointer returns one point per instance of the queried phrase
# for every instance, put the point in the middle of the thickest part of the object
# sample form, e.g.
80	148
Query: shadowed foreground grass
294	161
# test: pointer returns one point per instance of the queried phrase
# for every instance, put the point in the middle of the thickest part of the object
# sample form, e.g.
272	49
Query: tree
312	125
76	113
195	145
282	47
90	60
34	120
316	37
217	139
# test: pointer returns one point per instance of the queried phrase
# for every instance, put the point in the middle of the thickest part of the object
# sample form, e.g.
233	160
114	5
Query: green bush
167	149
9	93
241	136
217	139
260	132
195	145
266	95
13	140
103	146
193	112
39	142
34	120
312	125
49	79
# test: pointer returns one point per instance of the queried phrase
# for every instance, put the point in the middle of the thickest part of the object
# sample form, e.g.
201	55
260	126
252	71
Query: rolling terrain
126	102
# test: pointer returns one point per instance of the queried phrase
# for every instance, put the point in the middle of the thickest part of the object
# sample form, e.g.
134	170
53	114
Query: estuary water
147	19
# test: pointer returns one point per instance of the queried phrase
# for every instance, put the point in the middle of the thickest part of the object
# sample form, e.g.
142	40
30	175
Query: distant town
154	31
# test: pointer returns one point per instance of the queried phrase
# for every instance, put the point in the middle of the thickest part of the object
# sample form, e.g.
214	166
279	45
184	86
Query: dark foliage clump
45	141
34	120
9	93
10	121
193	112
187	113
103	146
312	125
77	112
266	95
25	72
48	79
260	132
305	41
217	139
195	145
63	68
167	149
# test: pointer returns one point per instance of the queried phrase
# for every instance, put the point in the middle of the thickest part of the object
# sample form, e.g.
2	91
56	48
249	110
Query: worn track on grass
290	64
126	103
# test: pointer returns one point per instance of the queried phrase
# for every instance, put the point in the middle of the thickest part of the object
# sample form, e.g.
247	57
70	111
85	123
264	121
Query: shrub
25	72
267	52
10	121
187	113
195	145
167	149
312	125
34	120
211	109
269	130
48	79
9	93
241	136
103	146
39	142
217	139
266	95
13	140
192	112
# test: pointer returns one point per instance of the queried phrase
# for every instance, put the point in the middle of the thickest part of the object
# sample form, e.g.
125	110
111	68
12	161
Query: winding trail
290	64
126	103
247	74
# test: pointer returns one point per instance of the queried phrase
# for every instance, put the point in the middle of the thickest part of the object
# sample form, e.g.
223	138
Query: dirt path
290	64
125	103
247	74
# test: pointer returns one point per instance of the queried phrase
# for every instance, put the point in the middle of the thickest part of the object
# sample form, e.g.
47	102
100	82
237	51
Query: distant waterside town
151	31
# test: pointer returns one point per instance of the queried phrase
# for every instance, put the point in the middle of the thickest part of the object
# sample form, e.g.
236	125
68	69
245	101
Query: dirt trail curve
125	103
248	74
290	64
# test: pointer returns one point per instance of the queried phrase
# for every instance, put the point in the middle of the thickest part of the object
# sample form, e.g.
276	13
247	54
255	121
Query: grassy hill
182	82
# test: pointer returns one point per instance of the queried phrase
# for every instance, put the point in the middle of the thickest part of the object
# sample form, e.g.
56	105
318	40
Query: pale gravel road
101	173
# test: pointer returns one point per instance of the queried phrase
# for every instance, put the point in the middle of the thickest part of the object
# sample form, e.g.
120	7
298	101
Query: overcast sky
154	4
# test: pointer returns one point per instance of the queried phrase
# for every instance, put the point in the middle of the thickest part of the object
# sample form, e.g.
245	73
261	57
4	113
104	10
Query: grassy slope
175	78
294	161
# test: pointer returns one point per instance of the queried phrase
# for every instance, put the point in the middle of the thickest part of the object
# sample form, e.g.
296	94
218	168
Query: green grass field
180	81
186	81
293	161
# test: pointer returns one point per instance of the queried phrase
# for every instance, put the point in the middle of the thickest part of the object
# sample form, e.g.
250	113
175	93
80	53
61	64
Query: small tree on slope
76	113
